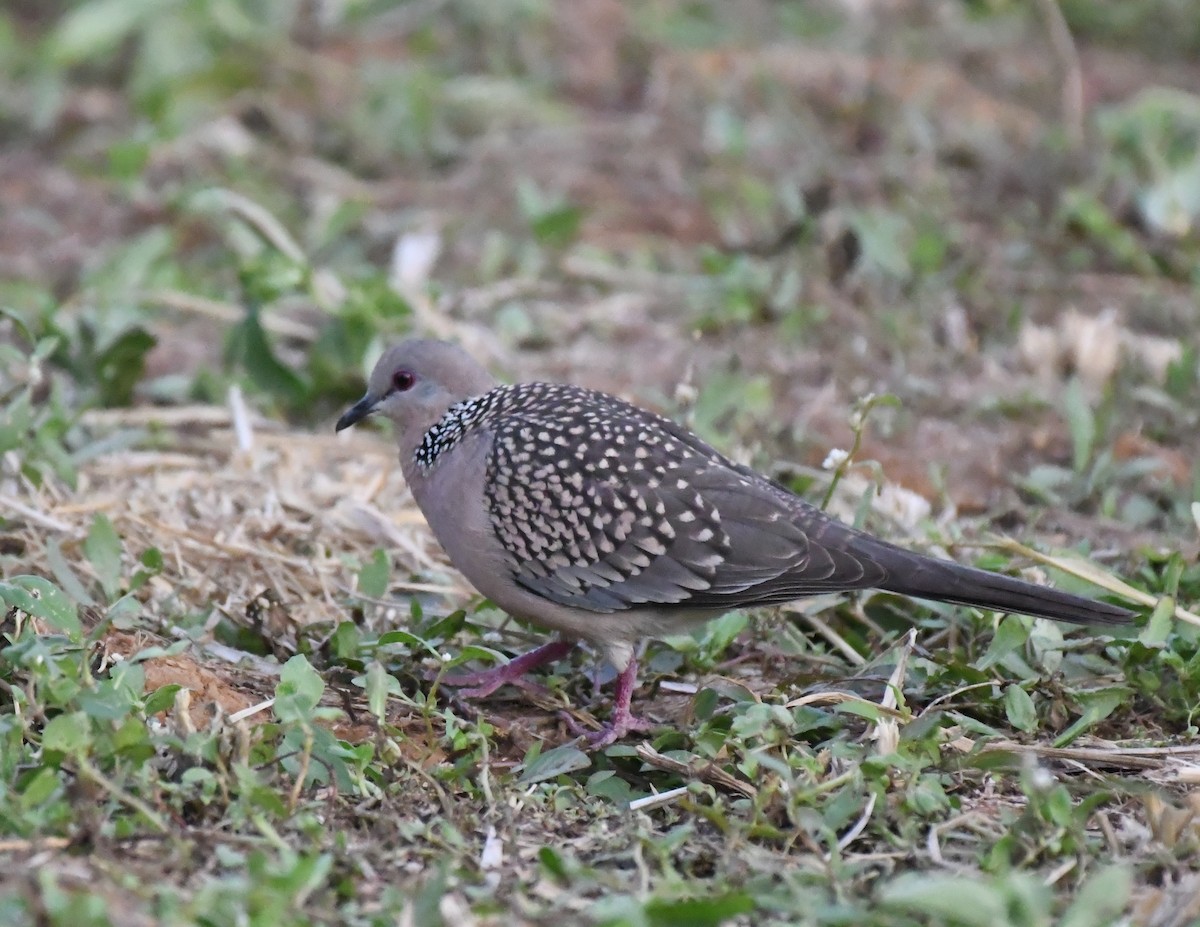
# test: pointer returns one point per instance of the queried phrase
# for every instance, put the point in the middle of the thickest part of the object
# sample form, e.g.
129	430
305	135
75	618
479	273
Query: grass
865	243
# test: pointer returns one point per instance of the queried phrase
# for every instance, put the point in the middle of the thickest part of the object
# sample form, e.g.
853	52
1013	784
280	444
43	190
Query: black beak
357	412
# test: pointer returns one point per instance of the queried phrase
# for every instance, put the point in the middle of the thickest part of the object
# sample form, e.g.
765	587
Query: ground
957	241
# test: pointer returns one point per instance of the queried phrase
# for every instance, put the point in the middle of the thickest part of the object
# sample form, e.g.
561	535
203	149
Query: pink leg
622	720
489	681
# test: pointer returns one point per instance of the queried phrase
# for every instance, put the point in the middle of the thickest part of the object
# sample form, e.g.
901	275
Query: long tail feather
945	581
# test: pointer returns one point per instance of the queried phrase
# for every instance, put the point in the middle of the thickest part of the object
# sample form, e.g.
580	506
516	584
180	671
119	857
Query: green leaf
346	640
557	228
373	577
103	548
698	912
1162	619
1011	634
96	28
69	733
249	348
1081	421
554	763
929	248
68	579
1020	709
861	709
154	653
42	599
108	702
161	699
883	237
379	685
445	628
298	692
152	559
38	790
1102	899
723	631
1100	703
470	652
956	899
125	612
151	562
705	703
127	158
388	638
554	223
1097	705
553	863
119	367
608	785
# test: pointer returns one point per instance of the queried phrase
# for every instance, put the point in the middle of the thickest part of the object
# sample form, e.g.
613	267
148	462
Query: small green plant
34	435
553	221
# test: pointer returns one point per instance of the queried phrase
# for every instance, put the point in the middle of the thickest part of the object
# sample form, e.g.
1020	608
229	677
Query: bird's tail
946	581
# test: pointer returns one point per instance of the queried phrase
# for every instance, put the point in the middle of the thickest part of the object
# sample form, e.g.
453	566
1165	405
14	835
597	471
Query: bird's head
415	382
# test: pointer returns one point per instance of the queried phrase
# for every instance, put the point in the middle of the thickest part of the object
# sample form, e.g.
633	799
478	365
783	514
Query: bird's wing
605	507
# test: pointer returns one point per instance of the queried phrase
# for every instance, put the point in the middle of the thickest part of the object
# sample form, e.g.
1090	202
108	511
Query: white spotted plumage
573	494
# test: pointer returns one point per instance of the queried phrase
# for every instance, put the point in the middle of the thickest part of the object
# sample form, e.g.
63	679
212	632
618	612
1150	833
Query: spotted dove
584	514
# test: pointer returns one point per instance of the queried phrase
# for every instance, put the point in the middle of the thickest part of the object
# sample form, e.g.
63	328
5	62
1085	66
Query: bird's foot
477	685
623	721
620	724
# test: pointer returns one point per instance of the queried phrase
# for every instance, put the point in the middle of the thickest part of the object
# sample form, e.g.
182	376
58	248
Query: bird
588	516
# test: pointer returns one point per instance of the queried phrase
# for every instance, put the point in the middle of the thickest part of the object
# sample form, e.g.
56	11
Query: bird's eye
403	380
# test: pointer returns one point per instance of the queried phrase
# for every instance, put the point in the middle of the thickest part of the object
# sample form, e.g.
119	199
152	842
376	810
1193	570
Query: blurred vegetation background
215	190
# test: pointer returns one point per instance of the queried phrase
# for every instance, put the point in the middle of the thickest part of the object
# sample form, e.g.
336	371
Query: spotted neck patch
460	420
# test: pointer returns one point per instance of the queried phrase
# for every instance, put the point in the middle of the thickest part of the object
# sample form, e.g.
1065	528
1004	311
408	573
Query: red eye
403	380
